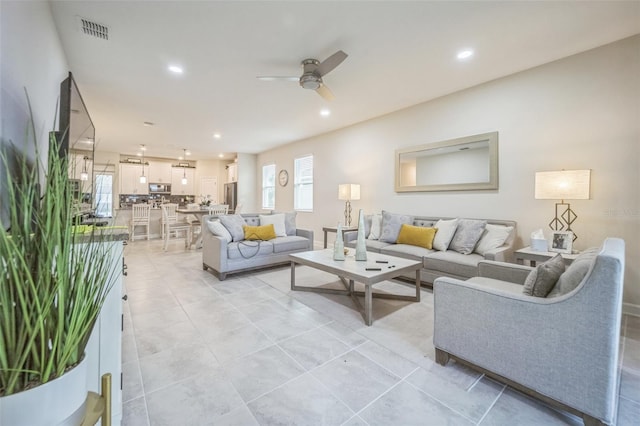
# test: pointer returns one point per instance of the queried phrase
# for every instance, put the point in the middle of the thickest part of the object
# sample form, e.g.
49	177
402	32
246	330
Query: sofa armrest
501	254
306	233
214	251
509	272
350	236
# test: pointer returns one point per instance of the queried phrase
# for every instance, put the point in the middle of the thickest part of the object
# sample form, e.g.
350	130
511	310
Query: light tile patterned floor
248	351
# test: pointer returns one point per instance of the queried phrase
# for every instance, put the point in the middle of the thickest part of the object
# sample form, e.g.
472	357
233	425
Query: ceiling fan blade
325	93
331	62
277	77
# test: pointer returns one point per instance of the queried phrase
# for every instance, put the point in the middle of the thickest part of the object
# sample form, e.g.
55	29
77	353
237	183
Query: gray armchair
563	350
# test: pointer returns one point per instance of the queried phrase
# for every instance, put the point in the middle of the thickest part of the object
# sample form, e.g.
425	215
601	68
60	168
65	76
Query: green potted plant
54	278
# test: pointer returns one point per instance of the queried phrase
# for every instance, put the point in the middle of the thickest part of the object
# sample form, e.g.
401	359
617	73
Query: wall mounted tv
76	131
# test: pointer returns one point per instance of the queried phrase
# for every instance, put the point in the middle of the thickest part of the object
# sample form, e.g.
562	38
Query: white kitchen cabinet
159	172
232	172
177	188
130	179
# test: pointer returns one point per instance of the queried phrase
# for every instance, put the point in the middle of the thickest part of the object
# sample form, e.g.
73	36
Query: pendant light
84	175
184	169
143	178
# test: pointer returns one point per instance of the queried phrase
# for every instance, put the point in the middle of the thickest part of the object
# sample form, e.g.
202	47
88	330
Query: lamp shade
563	185
348	191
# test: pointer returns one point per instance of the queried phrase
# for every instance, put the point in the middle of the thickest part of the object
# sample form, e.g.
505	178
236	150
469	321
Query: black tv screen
76	130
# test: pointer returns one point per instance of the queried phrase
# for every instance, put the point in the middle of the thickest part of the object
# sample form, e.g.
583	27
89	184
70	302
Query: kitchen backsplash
126	200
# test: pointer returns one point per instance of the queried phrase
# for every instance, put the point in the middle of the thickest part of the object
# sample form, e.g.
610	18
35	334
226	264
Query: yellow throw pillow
264	232
420	236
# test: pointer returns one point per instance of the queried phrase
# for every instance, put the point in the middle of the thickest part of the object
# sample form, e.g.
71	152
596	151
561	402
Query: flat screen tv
76	130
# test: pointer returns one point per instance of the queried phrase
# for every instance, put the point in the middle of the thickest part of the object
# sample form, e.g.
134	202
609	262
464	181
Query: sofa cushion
453	263
416	236
374	231
406	251
424	222
541	280
262	232
575	273
219	230
248	249
446	229
234	224
277	220
493	237
391	223
289	243
468	232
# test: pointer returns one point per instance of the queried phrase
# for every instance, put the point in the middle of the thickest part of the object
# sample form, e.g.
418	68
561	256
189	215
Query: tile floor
248	351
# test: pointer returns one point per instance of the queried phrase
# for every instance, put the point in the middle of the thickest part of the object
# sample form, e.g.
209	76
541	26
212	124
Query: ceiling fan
313	71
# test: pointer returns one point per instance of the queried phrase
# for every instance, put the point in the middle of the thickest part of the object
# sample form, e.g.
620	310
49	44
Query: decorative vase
361	246
338	246
60	402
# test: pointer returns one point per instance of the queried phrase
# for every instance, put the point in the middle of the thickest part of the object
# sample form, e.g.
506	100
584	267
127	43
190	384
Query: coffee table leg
293	275
368	305
417	285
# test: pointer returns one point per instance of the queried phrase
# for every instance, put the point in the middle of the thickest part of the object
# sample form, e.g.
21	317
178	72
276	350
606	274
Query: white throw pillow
446	229
374	232
219	230
493	237
277	220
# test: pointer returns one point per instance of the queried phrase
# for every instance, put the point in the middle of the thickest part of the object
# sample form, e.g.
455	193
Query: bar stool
140	216
171	225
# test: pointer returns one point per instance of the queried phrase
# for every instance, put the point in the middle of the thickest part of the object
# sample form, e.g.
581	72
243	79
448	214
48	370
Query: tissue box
539	244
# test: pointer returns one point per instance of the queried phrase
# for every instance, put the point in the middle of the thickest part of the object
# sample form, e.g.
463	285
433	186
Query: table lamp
348	192
563	185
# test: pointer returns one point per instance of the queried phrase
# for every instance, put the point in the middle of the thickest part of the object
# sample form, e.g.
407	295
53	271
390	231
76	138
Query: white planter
60	402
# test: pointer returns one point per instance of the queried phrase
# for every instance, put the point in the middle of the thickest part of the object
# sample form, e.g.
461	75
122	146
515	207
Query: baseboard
630	309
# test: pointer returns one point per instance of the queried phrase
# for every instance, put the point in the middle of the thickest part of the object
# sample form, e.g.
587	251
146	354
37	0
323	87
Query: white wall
247	183
581	112
31	58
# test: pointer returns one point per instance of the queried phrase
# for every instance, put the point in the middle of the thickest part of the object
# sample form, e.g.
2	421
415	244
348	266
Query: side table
327	229
533	256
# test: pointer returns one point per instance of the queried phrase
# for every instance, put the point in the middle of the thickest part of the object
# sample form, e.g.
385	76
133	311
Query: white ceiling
400	54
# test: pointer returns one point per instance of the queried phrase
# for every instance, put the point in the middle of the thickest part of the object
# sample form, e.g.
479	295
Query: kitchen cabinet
232	172
130	179
159	172
177	188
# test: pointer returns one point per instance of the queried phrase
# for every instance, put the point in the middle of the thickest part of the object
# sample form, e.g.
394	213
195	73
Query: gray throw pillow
391	224
234	224
575	272
467	235
289	222
541	280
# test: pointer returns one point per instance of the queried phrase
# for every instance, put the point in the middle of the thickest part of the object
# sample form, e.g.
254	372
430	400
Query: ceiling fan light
310	82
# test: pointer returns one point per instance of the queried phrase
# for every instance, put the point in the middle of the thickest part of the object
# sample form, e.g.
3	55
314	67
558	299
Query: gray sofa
224	257
437	263
562	349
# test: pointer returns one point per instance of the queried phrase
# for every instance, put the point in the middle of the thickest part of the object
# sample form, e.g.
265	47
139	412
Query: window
269	186
303	183
104	195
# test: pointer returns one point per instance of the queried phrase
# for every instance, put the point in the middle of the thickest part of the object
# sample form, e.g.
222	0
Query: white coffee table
350	270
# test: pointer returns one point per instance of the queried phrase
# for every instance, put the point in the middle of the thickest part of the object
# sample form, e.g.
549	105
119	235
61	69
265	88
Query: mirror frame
492	184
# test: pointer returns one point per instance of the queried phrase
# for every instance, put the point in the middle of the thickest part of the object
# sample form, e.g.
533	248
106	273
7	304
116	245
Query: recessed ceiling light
465	54
148	123
181	158
139	154
175	69
217	135
221	155
325	112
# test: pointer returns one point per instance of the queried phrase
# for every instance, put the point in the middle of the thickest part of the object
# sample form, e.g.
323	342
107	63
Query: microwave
159	188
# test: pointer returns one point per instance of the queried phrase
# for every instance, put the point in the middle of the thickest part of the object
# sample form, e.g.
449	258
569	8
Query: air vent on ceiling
94	29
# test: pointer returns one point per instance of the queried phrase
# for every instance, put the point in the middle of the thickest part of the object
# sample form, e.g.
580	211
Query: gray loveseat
438	263
225	257
562	349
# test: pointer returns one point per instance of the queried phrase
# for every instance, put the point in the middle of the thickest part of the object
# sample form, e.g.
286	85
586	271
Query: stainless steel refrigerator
231	194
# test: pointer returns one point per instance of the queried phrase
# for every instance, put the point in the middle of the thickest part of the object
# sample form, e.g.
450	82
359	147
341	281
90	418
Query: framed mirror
463	164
